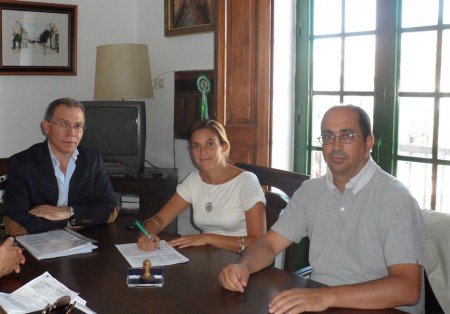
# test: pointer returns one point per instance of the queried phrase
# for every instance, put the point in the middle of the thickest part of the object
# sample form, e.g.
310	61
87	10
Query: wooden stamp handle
147	266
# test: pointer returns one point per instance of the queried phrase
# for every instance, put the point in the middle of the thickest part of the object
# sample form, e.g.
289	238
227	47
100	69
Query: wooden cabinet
153	192
243	77
188	100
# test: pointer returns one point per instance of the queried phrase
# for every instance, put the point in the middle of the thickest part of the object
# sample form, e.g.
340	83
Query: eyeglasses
60	306
65	126
344	138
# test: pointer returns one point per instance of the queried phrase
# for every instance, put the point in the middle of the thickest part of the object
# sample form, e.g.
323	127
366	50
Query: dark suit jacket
31	181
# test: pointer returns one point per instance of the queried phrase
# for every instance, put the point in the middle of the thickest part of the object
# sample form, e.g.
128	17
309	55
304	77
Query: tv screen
117	129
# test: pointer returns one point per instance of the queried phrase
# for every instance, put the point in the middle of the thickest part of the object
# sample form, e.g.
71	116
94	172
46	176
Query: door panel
243	69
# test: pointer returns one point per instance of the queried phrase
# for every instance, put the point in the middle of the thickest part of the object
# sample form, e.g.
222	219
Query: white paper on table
13	304
37	294
56	243
165	255
81	305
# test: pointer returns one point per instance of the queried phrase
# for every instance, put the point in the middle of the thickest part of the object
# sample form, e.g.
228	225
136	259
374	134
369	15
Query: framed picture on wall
38	38
182	17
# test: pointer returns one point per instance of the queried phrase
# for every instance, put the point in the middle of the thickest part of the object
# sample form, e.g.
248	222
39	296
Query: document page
37	293
56	243
165	255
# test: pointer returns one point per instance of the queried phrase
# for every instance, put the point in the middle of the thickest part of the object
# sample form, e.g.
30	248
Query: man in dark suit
56	183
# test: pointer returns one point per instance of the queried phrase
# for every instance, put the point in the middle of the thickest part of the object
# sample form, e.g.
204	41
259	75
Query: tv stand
153	190
115	168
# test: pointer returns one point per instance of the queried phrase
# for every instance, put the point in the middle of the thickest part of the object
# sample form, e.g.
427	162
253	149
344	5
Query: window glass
446	12
445	62
443	182
415	126
318	165
419	12
412	98
327	64
360	15
417	62
327	16
321	104
417	178
359	63
444	129
365	102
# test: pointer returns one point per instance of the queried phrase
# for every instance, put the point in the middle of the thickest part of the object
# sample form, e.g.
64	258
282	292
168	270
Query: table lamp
123	72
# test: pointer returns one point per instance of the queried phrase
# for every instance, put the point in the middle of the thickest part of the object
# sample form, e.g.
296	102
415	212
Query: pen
138	224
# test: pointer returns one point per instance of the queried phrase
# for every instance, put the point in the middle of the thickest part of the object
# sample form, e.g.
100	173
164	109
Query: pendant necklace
209	205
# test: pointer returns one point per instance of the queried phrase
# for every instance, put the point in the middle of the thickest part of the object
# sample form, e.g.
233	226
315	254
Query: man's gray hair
69	102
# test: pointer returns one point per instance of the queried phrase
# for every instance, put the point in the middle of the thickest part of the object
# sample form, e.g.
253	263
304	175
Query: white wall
23	99
283	112
189	52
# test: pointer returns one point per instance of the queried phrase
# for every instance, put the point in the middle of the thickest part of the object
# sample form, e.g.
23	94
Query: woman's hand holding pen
144	243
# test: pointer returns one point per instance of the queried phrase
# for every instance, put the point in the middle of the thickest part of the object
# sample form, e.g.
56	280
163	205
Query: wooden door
243	77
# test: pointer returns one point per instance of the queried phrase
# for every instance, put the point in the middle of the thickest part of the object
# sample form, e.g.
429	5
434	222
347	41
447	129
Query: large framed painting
182	17
38	38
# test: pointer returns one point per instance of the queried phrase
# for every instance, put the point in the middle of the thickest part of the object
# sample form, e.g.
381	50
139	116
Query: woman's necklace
209	205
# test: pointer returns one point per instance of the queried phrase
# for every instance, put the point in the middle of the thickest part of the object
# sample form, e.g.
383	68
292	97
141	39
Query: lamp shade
123	72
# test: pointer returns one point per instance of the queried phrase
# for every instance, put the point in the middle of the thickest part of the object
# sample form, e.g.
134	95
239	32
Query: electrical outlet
159	83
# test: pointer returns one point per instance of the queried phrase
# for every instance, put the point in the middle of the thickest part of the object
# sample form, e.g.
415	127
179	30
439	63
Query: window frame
386	94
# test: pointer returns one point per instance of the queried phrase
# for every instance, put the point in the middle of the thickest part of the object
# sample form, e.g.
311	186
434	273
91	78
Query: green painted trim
302	111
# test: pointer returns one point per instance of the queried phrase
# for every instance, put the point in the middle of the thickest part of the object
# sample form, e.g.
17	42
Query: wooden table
192	287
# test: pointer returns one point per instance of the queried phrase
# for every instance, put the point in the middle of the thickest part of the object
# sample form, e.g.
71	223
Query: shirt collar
357	182
55	160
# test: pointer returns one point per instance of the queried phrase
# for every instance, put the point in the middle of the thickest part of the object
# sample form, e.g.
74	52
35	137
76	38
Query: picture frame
183	17
38	38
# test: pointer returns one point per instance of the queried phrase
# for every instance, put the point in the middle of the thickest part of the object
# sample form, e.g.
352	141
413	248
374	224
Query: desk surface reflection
193	287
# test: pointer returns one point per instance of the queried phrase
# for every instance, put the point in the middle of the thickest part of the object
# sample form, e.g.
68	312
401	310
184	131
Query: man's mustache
338	154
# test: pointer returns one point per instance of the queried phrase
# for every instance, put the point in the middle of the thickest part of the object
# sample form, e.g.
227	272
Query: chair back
3	175
436	261
3	172
286	183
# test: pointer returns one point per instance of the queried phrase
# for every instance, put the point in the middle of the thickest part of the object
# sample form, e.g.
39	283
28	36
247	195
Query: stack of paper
165	255
37	294
56	243
130	202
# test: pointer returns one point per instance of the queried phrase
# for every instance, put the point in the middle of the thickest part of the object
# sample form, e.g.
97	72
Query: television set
117	129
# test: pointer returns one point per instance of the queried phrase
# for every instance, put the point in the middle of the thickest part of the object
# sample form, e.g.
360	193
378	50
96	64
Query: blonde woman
228	202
